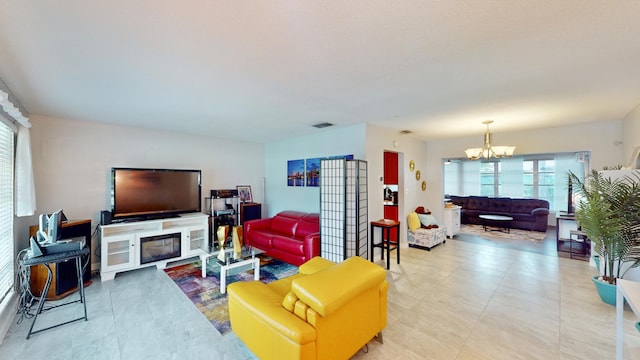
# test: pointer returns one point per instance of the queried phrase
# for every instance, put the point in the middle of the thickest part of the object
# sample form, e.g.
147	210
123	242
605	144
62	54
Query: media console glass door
160	247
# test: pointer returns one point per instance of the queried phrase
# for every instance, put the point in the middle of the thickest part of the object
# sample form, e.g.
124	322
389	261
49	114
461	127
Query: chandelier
489	150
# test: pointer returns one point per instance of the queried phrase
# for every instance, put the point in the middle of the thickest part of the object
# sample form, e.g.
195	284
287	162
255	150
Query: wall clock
412	165
417	174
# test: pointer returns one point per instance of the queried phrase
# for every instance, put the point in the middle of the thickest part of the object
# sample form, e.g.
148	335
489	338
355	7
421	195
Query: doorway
391	187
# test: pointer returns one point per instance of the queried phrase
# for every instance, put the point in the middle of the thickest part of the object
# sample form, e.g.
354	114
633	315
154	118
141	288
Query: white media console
134	245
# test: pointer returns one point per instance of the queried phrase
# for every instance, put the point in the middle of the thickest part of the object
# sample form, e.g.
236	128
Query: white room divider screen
343	209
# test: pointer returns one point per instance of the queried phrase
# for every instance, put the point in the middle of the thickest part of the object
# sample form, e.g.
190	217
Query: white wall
602	139
379	140
631	134
327	142
72	162
365	142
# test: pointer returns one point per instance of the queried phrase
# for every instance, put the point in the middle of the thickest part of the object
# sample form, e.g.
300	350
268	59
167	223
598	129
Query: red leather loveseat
290	236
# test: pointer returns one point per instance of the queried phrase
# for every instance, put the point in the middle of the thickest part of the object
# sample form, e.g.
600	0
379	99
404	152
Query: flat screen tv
140	194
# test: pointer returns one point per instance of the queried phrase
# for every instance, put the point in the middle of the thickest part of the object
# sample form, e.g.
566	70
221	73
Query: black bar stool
386	243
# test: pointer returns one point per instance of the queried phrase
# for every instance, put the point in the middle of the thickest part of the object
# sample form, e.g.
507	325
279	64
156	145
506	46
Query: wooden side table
385	226
250	211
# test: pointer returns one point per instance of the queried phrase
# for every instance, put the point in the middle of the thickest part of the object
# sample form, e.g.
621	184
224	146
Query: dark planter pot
606	291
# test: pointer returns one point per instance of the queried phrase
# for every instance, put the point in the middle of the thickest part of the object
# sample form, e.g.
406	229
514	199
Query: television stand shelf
134	245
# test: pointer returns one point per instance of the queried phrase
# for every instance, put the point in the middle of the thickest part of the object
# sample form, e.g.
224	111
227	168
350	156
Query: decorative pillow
414	221
427	220
422	210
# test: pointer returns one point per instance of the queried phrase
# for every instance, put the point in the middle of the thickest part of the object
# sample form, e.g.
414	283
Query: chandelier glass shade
488	150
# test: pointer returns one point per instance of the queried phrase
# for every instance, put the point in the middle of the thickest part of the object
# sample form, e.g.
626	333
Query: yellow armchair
326	311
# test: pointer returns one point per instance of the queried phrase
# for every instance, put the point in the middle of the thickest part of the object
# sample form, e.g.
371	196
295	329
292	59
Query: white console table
629	291
120	242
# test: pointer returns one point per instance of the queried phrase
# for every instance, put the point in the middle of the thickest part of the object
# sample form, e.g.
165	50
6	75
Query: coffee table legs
502	227
203	260
224	269
501	222
255	265
223	279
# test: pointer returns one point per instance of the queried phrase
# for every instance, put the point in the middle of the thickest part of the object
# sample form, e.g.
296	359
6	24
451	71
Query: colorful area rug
205	292
515	234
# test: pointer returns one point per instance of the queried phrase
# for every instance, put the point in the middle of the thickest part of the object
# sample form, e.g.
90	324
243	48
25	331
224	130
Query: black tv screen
154	193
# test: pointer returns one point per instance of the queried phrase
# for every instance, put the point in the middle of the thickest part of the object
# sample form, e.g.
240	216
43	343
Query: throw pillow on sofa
422	210
428	221
414	221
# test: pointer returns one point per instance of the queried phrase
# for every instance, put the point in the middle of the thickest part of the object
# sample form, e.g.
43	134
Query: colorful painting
313	172
295	172
307	172
244	193
346	157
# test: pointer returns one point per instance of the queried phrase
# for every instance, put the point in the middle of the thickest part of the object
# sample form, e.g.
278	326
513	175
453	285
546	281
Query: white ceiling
264	70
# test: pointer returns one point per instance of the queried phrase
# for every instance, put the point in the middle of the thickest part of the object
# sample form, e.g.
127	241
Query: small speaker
105	217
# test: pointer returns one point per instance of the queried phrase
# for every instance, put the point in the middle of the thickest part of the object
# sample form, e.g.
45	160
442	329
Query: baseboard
7	313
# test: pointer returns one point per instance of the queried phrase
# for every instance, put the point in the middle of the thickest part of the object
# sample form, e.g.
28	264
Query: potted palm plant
609	213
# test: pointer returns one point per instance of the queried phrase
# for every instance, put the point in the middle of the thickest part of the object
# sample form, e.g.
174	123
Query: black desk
64	273
386	243
46	260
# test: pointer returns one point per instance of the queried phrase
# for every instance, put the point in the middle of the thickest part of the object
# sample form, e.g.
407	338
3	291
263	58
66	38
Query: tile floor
462	300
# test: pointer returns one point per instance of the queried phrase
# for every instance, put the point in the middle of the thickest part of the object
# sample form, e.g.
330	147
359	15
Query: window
540	176
490	178
6	209
539	180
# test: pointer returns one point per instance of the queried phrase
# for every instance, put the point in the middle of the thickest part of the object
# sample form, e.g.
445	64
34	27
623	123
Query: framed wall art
295	172
244	193
313	172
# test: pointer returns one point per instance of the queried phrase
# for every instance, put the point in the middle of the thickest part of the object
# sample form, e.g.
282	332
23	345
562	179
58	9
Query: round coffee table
500	222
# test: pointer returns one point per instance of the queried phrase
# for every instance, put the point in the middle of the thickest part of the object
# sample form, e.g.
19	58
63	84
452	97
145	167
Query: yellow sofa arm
384	289
314	265
249	301
328	290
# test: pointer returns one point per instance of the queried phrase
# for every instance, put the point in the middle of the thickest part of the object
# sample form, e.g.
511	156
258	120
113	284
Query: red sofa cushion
308	224
292	259
283	224
261	239
288	245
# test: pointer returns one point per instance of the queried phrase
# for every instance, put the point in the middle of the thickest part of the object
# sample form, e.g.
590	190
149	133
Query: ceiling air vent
322	125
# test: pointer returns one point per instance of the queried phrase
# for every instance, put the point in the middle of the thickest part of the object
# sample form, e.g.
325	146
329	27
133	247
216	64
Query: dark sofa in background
527	214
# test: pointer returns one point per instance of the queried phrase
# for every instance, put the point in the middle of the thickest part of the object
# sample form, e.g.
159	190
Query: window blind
6	209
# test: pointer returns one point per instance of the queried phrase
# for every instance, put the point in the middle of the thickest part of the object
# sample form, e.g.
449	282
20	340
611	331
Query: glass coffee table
248	259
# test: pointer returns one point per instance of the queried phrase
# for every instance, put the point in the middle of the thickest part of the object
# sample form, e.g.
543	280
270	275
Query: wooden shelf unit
250	211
